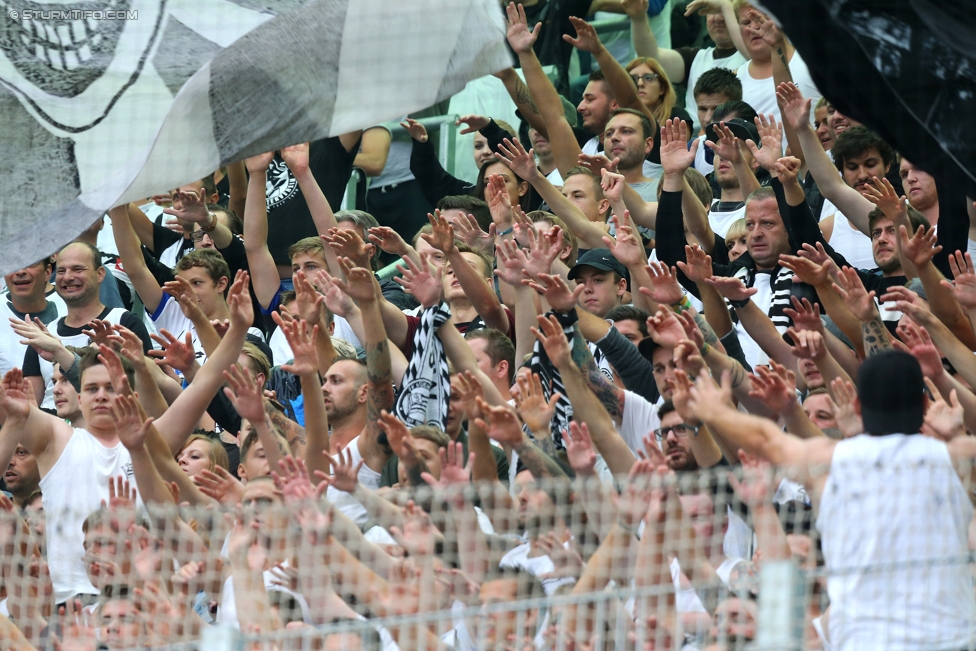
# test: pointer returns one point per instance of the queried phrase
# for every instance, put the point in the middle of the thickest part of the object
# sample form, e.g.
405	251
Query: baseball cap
647	346
890	388
741	129
600	259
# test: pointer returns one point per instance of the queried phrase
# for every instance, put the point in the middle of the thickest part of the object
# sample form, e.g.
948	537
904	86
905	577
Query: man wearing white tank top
77	464
892	511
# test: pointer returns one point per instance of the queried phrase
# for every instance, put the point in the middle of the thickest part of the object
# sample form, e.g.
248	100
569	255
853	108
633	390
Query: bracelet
506	232
209	228
682	305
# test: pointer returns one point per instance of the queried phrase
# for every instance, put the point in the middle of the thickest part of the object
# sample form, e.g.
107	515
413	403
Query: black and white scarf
425	393
553	382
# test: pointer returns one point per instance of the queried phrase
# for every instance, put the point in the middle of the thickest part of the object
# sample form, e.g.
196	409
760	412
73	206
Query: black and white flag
425	395
109	101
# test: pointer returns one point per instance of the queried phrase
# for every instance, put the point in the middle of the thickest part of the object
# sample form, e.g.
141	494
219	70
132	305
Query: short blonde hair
736	230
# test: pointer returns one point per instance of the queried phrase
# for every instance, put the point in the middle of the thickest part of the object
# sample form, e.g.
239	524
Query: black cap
741	129
647	346
600	259
891	391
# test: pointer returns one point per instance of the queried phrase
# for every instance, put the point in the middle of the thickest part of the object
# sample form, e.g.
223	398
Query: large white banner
107	101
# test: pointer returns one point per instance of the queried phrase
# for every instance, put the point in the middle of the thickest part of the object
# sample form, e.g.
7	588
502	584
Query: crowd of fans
648	351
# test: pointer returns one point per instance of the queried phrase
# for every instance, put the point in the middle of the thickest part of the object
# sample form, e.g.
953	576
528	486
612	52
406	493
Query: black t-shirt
550	46
289	219
32	364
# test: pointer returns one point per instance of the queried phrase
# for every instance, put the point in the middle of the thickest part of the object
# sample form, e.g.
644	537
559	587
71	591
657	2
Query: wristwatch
209	228
739	304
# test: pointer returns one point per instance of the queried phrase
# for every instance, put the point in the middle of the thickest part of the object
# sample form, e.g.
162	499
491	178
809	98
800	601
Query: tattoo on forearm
875	336
538	462
782	56
737	374
522	95
379	389
282	449
610	396
544	442
707	332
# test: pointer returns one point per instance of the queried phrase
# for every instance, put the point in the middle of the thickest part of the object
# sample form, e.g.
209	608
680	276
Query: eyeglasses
680	431
647	78
197	236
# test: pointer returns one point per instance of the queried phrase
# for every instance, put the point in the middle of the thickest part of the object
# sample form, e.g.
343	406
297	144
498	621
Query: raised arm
130	250
193	210
796	111
296	158
180	419
646	45
565	148
513	154
259	259
523	100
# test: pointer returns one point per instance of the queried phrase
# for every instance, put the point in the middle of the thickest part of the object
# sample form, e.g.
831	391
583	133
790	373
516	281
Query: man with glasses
674	438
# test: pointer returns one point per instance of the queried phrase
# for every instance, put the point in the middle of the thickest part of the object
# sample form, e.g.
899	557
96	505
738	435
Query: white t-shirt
721	222
227	612
537	566
639	419
348	505
74	488
705	60
760	94
847	240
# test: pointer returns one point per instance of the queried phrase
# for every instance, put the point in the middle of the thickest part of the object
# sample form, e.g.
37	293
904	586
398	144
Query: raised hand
110	359
296	157
220	485
121	495
848	420
943	420
804	315
176	354
676	157
99	332
859	300
441	236
543	249
697	265
469	391
665	328
921	347
416	130
308	301
301	338
244	393
499	203
388	240
793	107
613	186
454	468
921	247
423	282
556	292
336	300
597	163
808	344
292	480
881	193
774	386
568	562
963	284
192	207
239	302
727	145
636	494
417	535
550	334
787	169
501	424
345	473
519	36
259	164
627	248
397	433
472	123
467	229
586	37
681	393
579	448
37	337
132	428
806	270
511	261
522	162
756	486
531	404
731	287
359	284
13	398
664	287
347	243
708	398
78	628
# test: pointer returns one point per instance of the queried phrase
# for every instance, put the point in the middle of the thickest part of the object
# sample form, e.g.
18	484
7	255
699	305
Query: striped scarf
425	393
